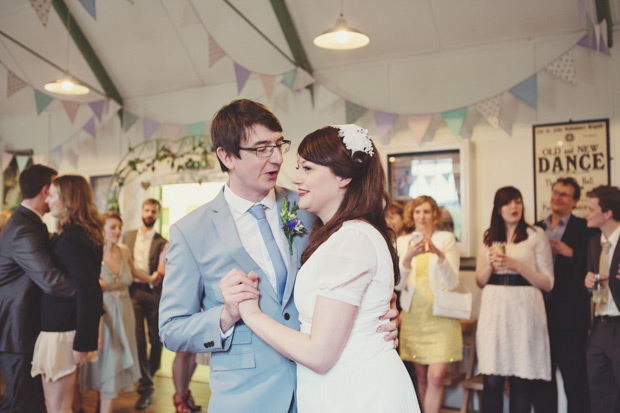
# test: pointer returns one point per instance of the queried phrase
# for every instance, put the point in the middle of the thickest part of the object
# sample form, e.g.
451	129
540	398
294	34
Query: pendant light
67	84
341	37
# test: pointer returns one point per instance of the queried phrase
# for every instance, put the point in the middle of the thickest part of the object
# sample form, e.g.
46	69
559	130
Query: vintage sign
576	149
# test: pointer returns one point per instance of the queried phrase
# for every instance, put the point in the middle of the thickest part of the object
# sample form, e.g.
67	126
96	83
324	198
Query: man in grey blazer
26	269
211	251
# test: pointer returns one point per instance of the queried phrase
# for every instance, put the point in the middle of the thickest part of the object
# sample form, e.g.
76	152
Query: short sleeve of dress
542	250
348	263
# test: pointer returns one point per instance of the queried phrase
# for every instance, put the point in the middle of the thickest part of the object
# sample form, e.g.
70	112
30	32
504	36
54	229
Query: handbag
453	304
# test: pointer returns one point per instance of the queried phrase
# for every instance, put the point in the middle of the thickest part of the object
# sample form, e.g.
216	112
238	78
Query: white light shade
341	37
66	85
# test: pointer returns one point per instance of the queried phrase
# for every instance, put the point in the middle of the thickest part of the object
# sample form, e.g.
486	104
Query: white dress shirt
142	249
610	308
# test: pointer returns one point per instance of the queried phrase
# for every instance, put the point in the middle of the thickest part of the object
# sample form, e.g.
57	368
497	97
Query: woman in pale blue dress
117	368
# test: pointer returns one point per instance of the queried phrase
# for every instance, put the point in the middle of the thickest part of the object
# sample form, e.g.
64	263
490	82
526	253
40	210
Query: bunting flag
42	7
171	131
215	51
72	155
148	128
42	101
89	127
564	68
71	108
302	79
56	155
89	5
454	119
353	111
384	122
195	128
490	109
128	120
268	81
6	160
288	78
97	108
418	125
242	74
527	91
189	15
604	33
22	161
13	84
597	36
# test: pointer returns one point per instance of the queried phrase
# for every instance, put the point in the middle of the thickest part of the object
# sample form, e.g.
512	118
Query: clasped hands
421	245
499	261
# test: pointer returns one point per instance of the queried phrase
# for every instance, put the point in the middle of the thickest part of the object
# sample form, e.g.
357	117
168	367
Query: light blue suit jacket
247	375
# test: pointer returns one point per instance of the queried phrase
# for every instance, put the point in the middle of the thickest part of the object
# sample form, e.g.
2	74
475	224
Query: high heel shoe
189	401
179	404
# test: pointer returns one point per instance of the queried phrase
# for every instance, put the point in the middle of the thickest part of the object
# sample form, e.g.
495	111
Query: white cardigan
442	275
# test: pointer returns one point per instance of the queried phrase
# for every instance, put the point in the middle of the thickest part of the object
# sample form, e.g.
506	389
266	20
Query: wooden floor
162	398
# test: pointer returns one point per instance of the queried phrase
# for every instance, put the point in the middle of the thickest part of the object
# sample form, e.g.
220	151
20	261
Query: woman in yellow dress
429	262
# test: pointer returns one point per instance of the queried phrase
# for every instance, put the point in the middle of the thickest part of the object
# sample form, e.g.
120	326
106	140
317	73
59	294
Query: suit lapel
223	221
290	260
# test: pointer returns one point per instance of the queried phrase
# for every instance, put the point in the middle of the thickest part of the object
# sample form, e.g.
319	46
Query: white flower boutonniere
290	223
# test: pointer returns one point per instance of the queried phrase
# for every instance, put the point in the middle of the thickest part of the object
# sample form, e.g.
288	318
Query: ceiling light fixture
341	37
67	84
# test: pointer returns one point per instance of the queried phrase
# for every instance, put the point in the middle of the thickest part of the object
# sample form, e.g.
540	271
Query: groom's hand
235	287
392	327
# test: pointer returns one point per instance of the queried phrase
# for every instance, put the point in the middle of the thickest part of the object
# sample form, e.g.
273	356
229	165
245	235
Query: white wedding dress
354	266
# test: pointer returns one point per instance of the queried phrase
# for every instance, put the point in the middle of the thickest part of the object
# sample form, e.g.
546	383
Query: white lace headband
355	138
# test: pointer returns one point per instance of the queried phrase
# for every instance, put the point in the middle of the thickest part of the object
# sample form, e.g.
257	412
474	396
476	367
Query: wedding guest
349	270
117	368
429	262
514	264
394	219
69	326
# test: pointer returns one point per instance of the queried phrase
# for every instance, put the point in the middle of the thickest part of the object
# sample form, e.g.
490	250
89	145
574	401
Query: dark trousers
493	394
568	353
603	358
146	308
24	394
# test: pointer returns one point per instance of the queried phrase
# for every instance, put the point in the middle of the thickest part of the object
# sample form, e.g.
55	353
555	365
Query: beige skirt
53	355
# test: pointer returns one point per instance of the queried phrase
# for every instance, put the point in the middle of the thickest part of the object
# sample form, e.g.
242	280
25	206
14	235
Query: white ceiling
152	47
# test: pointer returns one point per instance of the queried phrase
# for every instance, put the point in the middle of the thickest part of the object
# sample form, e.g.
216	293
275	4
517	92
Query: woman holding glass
514	264
429	262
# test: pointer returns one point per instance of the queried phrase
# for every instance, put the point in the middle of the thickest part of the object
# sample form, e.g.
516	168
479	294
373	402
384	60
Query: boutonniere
291	224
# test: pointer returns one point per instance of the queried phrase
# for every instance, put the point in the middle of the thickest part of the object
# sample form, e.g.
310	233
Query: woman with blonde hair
429	262
69	326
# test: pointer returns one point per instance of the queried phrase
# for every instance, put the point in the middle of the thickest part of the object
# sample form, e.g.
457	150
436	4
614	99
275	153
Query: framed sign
576	149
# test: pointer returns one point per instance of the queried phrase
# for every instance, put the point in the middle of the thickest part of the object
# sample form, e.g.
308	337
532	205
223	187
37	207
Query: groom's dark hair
232	124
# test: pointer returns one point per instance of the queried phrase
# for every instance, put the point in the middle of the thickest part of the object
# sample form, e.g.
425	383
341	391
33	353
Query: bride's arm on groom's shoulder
332	322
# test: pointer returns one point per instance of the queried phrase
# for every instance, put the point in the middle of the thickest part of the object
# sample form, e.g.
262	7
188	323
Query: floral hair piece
355	138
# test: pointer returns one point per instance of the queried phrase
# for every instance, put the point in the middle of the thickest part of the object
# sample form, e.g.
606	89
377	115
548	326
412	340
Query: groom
215	246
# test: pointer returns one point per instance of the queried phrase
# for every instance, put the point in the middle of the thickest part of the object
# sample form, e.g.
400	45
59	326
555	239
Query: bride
344	285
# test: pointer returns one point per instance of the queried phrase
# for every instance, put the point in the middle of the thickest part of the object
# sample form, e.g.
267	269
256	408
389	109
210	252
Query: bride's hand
249	307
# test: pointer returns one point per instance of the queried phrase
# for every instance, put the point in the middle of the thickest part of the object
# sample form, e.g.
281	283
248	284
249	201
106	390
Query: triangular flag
71	154
128	120
195	128
71	108
353	111
215	51
89	5
604	33
42	101
189	15
56	155
6	160
171	131
604	49
89	127
418	124
149	127
597	35
564	68
268	81
384	122
242	74
527	91
22	161
13	84
97	108
42	7
446	176
490	109
288	78
302	79
454	119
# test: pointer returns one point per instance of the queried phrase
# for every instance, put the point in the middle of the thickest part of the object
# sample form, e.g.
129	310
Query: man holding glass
603	353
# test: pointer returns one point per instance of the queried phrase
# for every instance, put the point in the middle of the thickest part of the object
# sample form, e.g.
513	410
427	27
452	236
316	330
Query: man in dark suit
25	270
146	246
568	304
603	353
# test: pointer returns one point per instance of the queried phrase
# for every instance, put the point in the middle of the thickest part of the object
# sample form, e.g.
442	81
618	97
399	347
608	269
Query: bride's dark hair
365	197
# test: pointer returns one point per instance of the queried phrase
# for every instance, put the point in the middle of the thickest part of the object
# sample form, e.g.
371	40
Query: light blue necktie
258	212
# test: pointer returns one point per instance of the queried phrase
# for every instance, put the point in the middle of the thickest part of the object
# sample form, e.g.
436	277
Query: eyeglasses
561	194
267	151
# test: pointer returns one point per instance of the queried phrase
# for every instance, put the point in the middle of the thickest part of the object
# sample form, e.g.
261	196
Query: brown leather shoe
189	401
